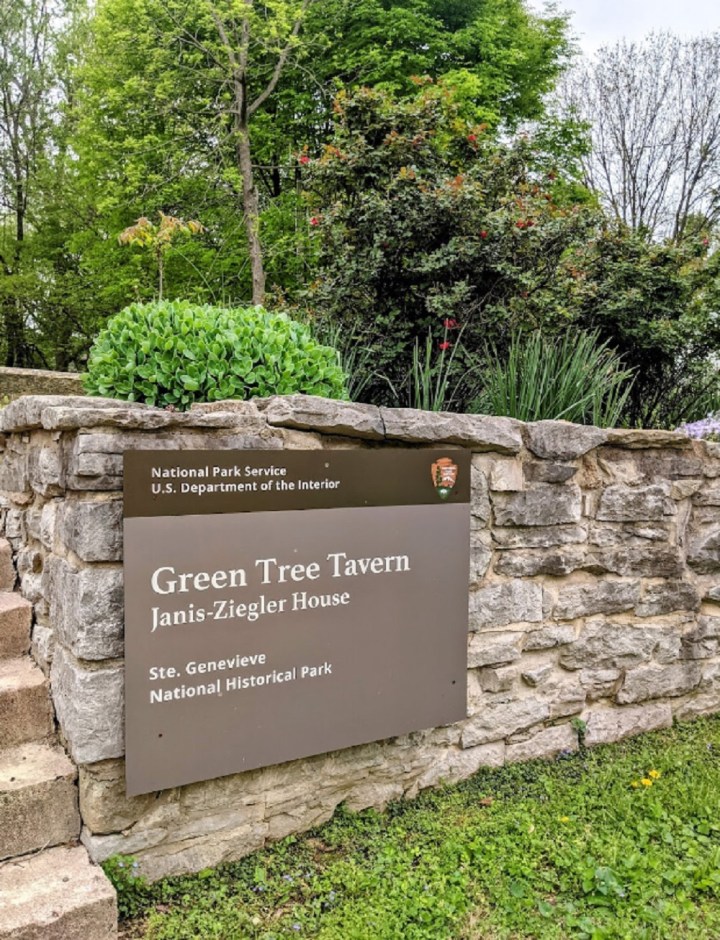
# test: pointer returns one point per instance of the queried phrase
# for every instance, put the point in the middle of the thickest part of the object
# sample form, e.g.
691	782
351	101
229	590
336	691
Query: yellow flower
564	819
655	774
645	782
635	783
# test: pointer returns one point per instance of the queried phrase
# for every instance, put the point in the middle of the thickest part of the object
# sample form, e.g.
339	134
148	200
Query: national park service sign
280	604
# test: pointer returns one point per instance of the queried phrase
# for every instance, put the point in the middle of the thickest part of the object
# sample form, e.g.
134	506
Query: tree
653	109
26	86
426	223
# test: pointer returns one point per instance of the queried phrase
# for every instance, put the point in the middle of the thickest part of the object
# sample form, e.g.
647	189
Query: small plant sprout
159	238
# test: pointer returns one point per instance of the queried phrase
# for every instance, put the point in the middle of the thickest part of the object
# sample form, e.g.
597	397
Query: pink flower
450	324
472	138
314	220
304	159
444	345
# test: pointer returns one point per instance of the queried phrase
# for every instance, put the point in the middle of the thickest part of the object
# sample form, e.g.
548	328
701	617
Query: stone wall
17	382
594	603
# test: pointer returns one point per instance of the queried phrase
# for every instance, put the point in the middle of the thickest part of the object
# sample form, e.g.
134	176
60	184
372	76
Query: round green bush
176	353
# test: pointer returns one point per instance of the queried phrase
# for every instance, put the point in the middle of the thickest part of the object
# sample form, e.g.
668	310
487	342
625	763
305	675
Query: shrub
176	353
573	379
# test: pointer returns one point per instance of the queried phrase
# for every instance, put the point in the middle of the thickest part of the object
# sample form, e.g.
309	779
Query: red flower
483	234
444	345
314	220
450	324
304	159
520	223
472	138
530	223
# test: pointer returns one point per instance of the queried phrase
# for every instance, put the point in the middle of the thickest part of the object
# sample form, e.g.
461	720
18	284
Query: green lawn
569	849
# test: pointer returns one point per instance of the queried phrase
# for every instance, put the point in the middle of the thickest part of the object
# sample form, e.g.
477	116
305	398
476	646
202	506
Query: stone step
7	571
25	712
15	625
57	894
38	799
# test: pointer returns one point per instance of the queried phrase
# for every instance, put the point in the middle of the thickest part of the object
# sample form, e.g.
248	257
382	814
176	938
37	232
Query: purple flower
707	429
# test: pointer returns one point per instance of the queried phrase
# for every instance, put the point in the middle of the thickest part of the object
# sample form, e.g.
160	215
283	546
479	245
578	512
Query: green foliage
133	892
576	378
177	353
615	843
421	216
655	304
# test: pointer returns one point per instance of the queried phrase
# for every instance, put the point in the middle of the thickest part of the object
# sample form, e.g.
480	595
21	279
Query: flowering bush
708	429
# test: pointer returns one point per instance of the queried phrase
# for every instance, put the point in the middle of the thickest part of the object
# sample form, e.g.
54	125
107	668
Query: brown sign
323	608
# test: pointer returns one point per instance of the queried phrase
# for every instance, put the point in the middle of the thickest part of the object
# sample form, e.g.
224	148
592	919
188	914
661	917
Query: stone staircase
49	889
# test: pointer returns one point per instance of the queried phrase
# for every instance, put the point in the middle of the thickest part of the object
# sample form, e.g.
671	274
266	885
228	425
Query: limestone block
629	533
604	645
506	476
649	682
478	432
93	528
545	745
539	536
542	471
620	503
550	637
43	646
704	551
45	468
537	675
605	725
708	495
497	679
86	609
527	563
7	570
480	555
666	597
602	597
103	803
600	683
498	722
48	517
308	412
489	649
89	706
456	764
703	640
543	505
561	440
14	477
505	602
27	413
636	438
637	561
480	500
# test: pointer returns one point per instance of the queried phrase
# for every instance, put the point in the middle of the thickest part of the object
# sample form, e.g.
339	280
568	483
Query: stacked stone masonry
594	603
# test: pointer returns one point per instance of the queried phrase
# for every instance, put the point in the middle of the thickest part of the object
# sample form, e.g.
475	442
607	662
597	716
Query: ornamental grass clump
174	353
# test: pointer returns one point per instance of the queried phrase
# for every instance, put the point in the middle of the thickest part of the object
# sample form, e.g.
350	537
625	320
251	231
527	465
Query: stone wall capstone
594	602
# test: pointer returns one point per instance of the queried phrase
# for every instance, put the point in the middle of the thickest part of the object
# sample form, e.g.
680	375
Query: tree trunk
251	209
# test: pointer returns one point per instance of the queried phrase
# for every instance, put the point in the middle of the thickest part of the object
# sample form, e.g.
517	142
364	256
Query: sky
597	22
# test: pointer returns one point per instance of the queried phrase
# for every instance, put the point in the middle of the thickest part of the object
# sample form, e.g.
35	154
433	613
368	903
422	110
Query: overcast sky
597	22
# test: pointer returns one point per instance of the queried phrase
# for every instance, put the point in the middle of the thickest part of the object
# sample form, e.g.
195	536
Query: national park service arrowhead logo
444	476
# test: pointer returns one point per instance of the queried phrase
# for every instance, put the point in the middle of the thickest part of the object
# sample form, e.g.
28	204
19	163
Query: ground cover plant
174	353
618	842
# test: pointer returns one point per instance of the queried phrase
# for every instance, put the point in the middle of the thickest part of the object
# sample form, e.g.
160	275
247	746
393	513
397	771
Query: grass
570	849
